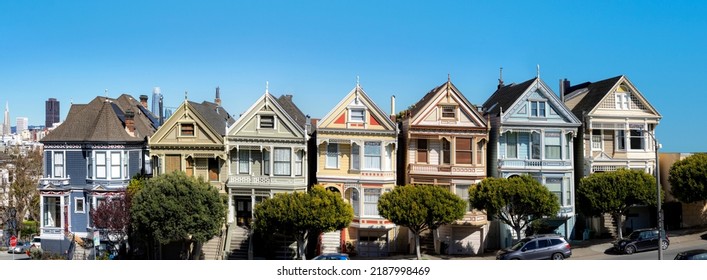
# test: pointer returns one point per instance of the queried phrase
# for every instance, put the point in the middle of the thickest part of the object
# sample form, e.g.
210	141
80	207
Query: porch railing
533	163
265	180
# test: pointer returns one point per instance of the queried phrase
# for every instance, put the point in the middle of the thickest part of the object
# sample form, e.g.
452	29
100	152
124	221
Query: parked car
36	242
332	256
697	254
537	247
641	240
20	248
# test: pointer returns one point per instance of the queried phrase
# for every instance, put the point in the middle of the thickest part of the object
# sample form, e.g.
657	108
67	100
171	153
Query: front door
244	211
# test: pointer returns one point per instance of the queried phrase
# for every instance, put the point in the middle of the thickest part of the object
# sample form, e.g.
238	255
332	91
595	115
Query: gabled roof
505	96
595	92
216	116
102	120
434	95
296	126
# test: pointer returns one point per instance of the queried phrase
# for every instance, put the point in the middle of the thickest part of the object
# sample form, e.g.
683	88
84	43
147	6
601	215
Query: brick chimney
143	100
130	122
218	96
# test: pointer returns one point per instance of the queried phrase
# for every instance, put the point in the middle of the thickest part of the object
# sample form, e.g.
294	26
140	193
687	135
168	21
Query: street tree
516	201
421	207
113	217
614	193
24	175
302	214
176	208
688	178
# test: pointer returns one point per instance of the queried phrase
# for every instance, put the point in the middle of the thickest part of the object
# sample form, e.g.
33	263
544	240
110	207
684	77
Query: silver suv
537	247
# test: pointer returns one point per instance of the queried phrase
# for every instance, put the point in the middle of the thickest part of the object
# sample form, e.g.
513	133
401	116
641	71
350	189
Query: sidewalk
580	248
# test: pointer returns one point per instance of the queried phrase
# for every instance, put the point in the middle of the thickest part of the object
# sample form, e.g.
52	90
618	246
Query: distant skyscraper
22	124
51	112
156	94
6	124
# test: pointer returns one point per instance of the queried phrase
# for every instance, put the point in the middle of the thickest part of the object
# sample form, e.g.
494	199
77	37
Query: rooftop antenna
267	85
358	83
185	95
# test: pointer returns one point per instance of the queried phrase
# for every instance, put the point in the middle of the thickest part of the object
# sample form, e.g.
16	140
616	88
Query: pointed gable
445	105
194	124
356	111
613	96
531	101
267	118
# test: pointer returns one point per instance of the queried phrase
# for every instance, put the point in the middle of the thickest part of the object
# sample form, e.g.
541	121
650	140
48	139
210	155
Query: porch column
41	213
252	203
270	161
61	211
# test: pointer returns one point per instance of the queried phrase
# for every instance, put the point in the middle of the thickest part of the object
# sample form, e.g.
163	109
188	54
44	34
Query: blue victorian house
532	133
89	159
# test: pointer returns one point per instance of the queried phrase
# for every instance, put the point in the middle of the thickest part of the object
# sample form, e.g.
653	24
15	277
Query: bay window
244	161
370	201
553	148
299	156
101	168
115	163
535	145
636	140
463	153
372	155
355	156
58	165
512	145
281	162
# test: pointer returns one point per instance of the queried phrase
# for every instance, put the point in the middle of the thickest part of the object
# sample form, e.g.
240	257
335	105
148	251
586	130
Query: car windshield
36	240
520	244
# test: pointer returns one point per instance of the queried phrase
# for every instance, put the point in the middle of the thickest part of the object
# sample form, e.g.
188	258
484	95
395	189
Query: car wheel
664	245
630	249
558	256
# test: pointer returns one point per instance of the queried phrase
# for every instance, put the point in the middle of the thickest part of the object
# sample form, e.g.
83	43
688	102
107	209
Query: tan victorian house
444	138
356	151
191	140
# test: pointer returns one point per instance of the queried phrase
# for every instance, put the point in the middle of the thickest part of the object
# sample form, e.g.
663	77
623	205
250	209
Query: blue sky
74	50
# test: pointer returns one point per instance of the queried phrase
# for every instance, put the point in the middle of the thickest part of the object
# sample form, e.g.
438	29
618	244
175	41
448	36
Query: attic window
267	121
187	129
357	115
449	112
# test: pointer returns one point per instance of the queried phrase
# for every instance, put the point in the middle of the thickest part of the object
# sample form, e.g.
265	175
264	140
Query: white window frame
366	155
104	165
288	162
115	164
535	112
371	203
623	101
597	145
553	134
355	156
61	164
299	160
332	162
240	161
79	201
620	138
354	118
514	146
260	121
536	143
642	136
193	129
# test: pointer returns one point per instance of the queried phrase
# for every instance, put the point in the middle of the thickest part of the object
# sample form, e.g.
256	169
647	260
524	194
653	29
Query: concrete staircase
331	242
211	248
427	243
286	247
610	225
239	243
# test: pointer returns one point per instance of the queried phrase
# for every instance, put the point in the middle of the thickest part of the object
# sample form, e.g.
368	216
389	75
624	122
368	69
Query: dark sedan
641	240
697	254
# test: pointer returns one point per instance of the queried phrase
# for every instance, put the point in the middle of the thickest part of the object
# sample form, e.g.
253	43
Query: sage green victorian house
267	149
191	140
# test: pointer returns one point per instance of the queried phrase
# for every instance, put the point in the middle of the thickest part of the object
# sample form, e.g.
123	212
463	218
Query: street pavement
580	249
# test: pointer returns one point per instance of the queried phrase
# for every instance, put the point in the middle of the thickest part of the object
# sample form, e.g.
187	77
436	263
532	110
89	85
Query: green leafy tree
420	208
516	201
688	178
175	207
301	214
614	193
24	177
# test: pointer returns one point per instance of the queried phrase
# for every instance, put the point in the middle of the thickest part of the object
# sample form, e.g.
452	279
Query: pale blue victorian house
532	133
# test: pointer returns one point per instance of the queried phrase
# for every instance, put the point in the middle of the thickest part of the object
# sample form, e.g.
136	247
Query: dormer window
449	112
186	129
537	109
267	121
357	115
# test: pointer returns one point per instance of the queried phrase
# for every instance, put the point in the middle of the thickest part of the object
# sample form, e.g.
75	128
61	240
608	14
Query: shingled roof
505	96
217	117
431	94
289	106
592	95
102	120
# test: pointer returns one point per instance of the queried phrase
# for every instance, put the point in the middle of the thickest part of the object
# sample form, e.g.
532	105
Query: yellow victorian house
356	156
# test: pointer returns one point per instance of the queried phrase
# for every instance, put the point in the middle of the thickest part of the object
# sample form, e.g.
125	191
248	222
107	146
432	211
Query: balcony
240	180
534	164
446	170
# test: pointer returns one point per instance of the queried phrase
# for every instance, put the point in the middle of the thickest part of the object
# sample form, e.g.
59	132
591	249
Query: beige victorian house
618	126
191	140
356	156
444	139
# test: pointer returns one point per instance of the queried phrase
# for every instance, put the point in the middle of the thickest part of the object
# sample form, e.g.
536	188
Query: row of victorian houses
356	150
